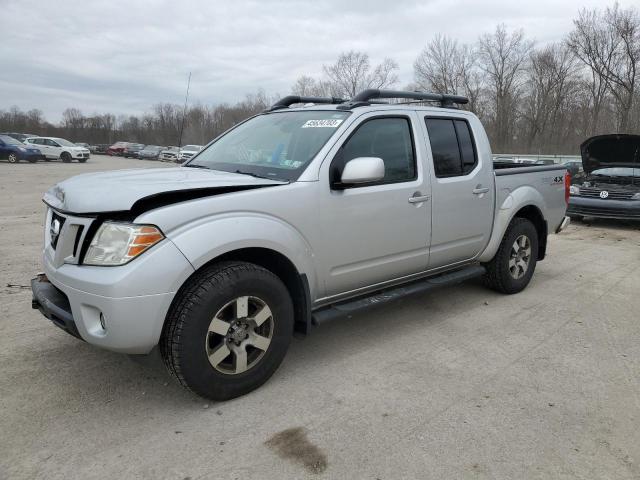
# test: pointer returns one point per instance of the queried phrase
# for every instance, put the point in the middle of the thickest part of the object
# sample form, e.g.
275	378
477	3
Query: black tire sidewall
195	368
66	158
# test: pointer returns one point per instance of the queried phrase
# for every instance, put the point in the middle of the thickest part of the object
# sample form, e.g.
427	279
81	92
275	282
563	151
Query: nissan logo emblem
604	194
54	231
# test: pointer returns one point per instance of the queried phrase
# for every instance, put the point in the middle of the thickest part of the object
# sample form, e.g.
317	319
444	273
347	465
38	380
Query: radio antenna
184	112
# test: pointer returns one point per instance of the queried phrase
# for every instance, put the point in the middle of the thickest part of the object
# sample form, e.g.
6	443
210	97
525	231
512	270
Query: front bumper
53	304
603	208
117	308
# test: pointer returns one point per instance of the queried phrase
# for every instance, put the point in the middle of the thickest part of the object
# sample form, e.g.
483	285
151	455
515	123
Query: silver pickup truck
293	217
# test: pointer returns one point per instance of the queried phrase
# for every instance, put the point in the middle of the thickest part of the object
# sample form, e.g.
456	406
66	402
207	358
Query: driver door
374	233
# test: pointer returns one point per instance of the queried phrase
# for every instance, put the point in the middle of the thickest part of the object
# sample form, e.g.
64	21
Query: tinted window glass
444	147
465	142
386	138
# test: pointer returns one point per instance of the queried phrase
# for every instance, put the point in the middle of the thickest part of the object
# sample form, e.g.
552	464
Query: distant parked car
150	152
14	151
84	145
169	154
187	152
99	148
21	137
53	148
117	148
574	167
132	150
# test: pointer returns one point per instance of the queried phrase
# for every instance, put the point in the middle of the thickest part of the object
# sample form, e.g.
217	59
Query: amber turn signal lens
144	238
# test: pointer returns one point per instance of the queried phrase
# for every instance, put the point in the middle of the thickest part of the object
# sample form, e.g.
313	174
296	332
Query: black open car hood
615	150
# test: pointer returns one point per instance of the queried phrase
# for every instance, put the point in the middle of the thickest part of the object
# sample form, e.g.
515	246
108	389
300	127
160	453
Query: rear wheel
228	330
66	157
511	269
13	158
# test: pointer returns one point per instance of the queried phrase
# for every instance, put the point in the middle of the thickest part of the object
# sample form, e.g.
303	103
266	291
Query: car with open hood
292	218
609	186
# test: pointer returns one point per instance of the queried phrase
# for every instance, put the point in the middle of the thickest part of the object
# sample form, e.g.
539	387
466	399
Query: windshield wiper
196	166
254	175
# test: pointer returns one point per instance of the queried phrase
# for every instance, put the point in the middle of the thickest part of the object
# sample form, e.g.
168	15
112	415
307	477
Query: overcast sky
123	56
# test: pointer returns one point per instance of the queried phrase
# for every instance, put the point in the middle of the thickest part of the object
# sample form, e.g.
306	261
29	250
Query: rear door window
452	146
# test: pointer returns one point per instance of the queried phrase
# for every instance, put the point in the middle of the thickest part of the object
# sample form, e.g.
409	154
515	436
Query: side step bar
380	297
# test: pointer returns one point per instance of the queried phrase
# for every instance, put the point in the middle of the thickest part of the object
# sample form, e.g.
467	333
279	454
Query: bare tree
502	57
551	80
352	73
444	66
609	44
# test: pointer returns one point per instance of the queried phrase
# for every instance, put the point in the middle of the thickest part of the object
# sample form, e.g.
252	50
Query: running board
380	297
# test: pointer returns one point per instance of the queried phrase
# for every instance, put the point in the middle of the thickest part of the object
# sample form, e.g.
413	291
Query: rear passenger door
463	191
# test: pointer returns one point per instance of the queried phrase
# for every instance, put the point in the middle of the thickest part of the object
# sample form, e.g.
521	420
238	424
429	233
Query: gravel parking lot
457	383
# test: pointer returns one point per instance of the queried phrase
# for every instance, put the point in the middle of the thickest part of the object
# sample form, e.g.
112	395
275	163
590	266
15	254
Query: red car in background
117	149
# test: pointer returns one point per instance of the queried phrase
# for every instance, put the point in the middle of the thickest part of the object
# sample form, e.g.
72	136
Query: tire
193	341
577	218
13	158
506	272
32	160
66	157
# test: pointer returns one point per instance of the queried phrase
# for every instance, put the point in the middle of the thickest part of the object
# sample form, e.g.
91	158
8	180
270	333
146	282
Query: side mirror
362	170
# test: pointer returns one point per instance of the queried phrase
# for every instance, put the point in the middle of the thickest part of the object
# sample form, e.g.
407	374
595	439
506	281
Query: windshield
10	140
277	145
617	172
63	142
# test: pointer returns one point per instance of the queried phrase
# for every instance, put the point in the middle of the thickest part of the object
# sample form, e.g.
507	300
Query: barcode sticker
321	123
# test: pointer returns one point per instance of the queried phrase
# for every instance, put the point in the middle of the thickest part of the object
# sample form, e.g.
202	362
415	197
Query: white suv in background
53	148
187	152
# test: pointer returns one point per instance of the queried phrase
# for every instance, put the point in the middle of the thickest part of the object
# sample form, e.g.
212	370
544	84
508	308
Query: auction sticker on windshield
332	123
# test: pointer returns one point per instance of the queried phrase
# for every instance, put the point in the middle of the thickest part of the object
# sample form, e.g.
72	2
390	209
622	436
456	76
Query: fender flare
525	196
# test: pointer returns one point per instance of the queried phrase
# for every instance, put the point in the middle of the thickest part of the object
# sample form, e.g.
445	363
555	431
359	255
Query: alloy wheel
239	335
520	257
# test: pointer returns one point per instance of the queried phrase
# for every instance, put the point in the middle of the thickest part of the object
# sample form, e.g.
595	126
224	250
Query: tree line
531	99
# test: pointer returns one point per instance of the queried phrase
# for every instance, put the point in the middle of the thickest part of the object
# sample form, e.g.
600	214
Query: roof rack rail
289	100
364	98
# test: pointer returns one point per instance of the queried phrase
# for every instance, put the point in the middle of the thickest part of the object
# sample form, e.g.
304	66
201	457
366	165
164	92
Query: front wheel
511	269
228	330
13	158
66	157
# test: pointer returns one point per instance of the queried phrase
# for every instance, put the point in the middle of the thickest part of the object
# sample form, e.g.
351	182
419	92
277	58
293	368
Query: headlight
574	190
119	243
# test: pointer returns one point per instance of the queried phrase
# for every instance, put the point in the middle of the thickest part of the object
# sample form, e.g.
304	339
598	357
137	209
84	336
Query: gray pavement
457	383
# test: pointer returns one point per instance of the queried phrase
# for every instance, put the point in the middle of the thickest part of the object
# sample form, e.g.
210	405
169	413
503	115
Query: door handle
478	190
417	198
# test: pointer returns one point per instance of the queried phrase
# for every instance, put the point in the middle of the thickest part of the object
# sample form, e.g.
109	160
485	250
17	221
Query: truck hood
616	150
143	189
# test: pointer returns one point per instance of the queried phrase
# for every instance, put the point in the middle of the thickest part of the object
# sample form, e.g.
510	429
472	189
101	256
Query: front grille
66	234
55	229
612	194
603	212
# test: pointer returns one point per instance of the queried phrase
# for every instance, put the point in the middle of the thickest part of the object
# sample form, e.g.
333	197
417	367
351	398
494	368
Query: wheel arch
534	215
524	202
296	282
